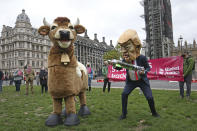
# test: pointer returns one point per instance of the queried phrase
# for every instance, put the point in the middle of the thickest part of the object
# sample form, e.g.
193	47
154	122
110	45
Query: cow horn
77	22
45	22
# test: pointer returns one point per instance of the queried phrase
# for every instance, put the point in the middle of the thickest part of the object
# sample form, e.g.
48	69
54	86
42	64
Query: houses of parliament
21	45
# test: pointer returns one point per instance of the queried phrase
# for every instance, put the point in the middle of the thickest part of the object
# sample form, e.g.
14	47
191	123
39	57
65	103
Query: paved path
155	84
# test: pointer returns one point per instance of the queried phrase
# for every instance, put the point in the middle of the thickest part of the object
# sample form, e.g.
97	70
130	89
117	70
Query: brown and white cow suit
66	77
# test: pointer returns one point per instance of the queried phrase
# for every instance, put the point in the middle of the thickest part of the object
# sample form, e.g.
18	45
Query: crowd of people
26	76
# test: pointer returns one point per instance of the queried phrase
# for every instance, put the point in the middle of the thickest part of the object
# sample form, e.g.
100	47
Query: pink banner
170	69
116	75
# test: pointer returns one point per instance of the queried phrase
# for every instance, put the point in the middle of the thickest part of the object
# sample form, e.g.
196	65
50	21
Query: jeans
89	81
17	85
187	80
1	82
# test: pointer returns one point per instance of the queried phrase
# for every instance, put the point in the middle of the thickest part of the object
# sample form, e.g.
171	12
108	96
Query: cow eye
53	27
71	27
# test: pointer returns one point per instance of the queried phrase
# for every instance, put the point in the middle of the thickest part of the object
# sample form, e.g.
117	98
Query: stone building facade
191	48
21	45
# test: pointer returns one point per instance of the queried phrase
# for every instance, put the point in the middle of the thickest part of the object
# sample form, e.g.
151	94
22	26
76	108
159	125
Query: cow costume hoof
64	113
71	120
53	120
84	111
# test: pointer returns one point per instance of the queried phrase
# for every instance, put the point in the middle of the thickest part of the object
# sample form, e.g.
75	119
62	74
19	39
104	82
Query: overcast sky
108	18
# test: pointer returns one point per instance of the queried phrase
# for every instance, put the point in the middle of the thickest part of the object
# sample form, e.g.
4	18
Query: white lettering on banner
122	76
114	70
161	71
172	73
172	68
169	71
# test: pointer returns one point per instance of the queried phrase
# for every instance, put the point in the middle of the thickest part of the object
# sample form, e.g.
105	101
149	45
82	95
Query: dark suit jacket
141	61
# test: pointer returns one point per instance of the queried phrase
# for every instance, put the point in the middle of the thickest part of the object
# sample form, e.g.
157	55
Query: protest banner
170	69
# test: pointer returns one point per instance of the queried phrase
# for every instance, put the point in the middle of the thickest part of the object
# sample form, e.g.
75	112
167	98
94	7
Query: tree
113	54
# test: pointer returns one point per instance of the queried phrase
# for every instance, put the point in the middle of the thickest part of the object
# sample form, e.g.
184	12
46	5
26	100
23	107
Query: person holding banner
188	66
137	75
106	80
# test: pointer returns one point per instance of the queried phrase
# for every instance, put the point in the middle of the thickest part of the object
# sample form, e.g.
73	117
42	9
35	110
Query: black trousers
129	87
106	81
17	84
188	81
44	88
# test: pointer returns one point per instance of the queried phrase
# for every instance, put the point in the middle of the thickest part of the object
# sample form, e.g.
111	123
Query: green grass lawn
28	113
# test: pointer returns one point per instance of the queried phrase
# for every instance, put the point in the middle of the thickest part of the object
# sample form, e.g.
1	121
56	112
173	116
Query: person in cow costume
66	77
130	47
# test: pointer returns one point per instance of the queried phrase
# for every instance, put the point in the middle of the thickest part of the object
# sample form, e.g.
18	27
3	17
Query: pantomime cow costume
66	77
130	47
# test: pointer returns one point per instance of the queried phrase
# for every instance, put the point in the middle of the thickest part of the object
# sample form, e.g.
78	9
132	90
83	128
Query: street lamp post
181	39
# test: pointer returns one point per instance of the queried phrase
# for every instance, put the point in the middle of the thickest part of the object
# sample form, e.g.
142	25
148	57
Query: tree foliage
112	54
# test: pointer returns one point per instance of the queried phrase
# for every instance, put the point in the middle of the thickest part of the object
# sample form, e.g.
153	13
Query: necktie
135	72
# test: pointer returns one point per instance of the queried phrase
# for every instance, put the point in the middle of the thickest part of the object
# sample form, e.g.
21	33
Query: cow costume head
130	45
61	32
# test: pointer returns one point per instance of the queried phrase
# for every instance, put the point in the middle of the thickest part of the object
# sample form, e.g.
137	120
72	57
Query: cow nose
64	35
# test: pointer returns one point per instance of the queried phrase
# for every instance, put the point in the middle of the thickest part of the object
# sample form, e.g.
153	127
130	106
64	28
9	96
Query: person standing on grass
11	78
130	47
18	76
43	79
106	80
1	80
90	75
6	79
37	79
29	78
188	65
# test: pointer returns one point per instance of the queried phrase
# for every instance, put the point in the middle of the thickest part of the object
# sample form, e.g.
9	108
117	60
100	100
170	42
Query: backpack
188	63
20	73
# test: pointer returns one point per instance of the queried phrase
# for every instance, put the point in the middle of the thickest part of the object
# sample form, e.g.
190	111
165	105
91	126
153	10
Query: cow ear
79	29
44	30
